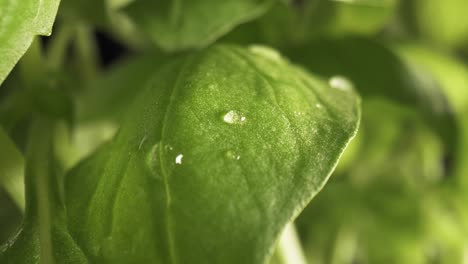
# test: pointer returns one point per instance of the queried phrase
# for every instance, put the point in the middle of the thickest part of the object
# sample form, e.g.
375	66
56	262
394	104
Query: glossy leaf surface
20	21
221	150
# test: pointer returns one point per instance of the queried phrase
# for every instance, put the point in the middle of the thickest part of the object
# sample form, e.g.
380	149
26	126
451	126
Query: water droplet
231	155
178	159
340	82
318	105
266	52
234	117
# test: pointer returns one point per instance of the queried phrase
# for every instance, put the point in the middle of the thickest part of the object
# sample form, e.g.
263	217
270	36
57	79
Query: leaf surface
217	154
20	21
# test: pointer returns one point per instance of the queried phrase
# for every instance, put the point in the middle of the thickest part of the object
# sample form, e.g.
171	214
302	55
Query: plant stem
12	169
58	46
87	52
39	177
289	246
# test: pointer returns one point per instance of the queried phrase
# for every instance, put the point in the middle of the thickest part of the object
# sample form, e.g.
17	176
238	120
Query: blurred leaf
21	21
184	24
43	237
382	198
215	156
442	22
450	72
297	22
10	216
377	71
109	96
93	12
11	169
389	188
453	75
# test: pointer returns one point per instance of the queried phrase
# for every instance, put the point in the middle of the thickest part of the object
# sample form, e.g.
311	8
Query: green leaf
443	22
43	237
20	22
341	17
453	76
109	96
184	24
11	169
389	195
88	11
377	71
218	153
297	22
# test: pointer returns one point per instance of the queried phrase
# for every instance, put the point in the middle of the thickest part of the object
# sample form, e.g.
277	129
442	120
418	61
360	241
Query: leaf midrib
165	175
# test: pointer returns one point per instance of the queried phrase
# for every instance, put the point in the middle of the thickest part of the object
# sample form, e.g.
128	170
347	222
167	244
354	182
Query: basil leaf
390	192
297	22
453	75
221	150
184	24
109	96
377	71
442	22
21	21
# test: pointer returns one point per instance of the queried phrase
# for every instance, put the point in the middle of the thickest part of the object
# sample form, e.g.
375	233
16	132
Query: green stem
58	46
39	178
345	247
12	169
87	52
289	246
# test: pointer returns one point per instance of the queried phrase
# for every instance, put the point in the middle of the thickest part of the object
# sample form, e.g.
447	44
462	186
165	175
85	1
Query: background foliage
95	118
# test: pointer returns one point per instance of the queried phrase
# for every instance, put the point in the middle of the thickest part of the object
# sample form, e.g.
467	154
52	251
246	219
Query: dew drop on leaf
232	156
234	117
178	159
340	82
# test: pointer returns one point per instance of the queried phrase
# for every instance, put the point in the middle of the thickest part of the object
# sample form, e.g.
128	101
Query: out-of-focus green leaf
221	150
88	11
296	22
100	107
10	216
20	21
453	75
378	72
184	24
386	197
443	22
110	95
11	169
340	17
43	237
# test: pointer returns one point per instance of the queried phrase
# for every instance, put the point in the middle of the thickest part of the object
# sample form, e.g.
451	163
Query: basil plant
235	131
